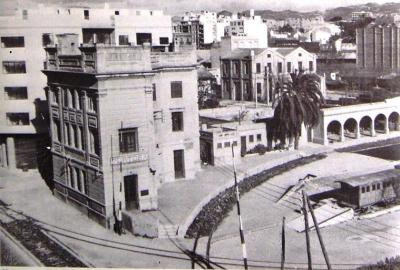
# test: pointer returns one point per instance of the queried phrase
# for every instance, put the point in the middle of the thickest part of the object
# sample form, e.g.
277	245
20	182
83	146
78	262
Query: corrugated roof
367	179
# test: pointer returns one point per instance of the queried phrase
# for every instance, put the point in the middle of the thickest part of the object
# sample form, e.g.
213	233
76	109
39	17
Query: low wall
143	225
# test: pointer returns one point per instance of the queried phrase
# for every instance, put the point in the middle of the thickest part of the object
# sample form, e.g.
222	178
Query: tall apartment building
195	28
250	74
123	121
378	48
23	38
252	27
358	15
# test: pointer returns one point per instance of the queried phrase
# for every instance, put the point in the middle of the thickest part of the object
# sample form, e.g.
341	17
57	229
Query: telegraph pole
208	249
306	228
319	234
244	252
283	244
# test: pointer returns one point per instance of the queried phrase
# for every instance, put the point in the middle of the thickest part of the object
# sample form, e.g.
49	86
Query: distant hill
379	10
282	15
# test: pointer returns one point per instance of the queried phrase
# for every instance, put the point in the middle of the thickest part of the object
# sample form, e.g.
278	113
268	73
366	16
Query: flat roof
392	174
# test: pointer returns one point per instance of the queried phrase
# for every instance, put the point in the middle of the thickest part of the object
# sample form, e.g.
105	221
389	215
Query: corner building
124	120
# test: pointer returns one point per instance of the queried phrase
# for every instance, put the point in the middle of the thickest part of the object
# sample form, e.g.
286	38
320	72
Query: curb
21	251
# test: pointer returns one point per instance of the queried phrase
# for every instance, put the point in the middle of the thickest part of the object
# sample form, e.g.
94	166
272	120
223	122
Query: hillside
380	10
282	15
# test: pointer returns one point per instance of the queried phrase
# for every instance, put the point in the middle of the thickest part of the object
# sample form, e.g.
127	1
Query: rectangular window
123	40
154	92
17	119
219	145
176	89
25	14
236	68
300	65
258	137
66	97
13	67
164	40
311	66
378	186
258	68
179	163
289	67
258	88
279	67
12	42
368	189
54	98
177	121
234	143
94	141
227	144
251	138
373	187
269	55
82	138
269	67
116	12
91	103
13	93
363	190
86	14
47	39
246	68
128	140
78	179
75	136
56	130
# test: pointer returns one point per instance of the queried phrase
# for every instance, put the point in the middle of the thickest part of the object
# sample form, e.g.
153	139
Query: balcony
130	158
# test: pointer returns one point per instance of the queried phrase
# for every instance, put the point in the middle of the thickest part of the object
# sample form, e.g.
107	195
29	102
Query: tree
298	99
335	19
287	28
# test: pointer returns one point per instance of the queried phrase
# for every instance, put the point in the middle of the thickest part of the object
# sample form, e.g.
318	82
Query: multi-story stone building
23	37
249	74
378	48
195	28
123	121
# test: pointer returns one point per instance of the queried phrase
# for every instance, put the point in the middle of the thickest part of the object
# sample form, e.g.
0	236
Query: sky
177	6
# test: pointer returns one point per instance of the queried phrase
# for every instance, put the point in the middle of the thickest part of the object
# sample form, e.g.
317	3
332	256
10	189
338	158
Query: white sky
176	6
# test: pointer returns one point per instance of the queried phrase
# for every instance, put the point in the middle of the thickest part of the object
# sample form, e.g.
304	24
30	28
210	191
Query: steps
167	231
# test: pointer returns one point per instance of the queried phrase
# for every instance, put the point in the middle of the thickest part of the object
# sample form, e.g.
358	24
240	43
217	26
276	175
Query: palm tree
297	101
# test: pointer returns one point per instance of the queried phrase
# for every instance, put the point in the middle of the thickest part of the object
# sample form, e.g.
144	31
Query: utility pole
194	251
208	249
319	234
283	244
244	251
306	228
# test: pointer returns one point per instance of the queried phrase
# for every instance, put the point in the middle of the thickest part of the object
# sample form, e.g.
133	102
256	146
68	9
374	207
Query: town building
358	15
338	124
217	140
251	27
305	24
23	38
123	121
378	48
322	33
195	28
250	74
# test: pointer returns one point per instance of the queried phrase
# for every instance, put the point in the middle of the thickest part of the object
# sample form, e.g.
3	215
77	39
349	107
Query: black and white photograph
209	134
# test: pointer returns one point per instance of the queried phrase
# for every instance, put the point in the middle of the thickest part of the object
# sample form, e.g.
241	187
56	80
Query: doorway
179	164
243	146
131	191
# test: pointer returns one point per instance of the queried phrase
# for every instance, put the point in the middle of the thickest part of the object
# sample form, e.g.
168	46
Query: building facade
24	36
378	48
250	74
123	121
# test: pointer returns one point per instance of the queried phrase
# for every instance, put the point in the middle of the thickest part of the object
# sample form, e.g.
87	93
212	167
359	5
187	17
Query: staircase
167	231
